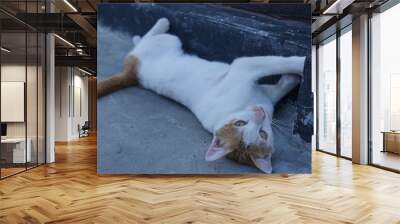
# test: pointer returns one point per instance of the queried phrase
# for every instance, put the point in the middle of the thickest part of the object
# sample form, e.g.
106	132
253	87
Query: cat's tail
128	77
161	26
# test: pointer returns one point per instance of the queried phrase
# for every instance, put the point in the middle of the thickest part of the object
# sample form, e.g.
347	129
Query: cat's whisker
279	128
280	124
289	129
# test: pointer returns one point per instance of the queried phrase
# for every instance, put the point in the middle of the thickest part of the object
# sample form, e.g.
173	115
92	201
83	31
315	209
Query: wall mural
204	88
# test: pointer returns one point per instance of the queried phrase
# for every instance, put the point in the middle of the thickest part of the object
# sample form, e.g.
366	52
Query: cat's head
245	137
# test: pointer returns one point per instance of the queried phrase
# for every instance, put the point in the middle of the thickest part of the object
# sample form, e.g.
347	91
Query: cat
225	98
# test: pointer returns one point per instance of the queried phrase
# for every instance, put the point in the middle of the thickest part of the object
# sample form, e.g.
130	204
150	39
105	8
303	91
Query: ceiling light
65	41
5	50
84	71
338	6
326	11
70	5
79	51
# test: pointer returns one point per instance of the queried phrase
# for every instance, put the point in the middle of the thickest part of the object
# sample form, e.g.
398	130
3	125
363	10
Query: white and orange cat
225	98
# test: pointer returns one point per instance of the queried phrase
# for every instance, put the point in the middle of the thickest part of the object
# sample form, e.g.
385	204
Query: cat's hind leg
128	77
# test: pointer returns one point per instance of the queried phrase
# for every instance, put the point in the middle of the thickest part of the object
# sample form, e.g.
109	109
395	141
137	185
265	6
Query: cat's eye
240	123
263	134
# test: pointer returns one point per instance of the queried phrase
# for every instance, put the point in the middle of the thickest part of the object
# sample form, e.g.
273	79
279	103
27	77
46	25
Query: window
346	93
22	78
327	96
385	89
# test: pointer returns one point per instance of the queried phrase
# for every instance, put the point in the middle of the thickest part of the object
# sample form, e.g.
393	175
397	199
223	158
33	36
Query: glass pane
385	84
41	98
13	86
346	94
314	90
327	96
31	100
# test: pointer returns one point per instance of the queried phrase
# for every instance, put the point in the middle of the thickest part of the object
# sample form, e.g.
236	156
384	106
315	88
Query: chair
84	130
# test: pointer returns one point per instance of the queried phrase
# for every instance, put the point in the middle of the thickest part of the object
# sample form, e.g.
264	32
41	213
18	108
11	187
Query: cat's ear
263	163
216	151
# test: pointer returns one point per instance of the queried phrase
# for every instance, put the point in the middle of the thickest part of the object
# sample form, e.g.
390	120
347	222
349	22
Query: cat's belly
184	79
195	83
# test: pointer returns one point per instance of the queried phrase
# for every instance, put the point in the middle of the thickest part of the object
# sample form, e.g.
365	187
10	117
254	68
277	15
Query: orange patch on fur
128	77
232	140
229	135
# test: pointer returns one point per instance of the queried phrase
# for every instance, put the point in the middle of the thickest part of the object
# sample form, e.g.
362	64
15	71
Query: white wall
61	103
71	94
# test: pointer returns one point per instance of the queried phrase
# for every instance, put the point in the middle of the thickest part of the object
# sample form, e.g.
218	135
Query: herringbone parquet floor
70	191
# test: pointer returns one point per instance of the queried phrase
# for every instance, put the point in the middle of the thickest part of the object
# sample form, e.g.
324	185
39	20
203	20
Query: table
19	155
391	141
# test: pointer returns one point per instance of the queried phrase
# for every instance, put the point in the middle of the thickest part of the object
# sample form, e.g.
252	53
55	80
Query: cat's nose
259	114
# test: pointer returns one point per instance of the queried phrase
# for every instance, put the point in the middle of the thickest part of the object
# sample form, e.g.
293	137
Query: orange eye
240	123
263	134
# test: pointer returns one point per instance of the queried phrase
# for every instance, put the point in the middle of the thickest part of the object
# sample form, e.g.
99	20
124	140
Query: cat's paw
291	79
136	39
302	64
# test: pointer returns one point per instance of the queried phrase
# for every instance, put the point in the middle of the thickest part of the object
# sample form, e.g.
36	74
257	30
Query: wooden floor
10	171
70	191
387	159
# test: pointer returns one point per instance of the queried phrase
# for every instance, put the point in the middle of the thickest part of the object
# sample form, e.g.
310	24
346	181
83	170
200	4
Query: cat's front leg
286	84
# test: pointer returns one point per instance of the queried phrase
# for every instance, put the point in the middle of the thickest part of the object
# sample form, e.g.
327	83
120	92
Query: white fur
215	92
